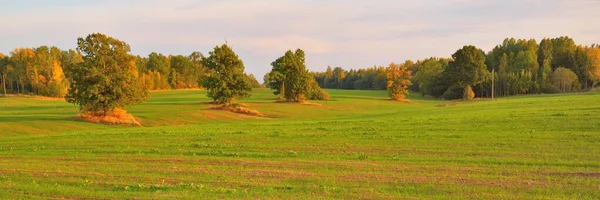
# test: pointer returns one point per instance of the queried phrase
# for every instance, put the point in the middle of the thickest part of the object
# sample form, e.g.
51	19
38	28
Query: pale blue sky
347	33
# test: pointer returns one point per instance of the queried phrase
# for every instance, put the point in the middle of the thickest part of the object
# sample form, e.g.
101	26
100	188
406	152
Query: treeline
373	78
515	67
43	71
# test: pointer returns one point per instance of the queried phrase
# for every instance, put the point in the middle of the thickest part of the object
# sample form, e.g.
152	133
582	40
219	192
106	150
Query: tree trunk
4	83
282	91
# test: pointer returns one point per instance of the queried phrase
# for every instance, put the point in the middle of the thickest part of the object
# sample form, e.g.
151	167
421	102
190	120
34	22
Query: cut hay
115	117
310	103
245	111
301	102
237	108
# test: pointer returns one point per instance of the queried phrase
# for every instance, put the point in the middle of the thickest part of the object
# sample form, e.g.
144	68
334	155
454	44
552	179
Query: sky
346	33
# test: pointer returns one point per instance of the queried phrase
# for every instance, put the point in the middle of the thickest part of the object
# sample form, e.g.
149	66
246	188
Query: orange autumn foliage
398	77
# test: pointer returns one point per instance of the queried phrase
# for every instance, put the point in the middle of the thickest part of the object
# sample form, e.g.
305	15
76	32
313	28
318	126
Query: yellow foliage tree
592	67
58	85
398	80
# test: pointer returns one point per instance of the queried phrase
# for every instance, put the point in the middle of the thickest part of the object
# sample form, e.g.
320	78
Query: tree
564	80
58	85
68	59
398	80
293	68
290	78
226	80
266	80
3	71
252	80
467	67
592	66
107	79
161	64
429	75
21	60
184	72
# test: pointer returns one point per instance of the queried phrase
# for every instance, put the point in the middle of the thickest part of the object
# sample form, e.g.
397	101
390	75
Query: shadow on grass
34	118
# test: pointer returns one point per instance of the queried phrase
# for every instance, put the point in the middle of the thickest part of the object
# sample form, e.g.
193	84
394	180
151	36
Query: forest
44	70
515	67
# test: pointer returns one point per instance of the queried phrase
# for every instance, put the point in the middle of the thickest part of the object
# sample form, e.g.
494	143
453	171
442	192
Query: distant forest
44	71
516	66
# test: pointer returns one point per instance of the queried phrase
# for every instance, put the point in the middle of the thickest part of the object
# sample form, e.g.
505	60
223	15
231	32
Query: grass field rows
358	145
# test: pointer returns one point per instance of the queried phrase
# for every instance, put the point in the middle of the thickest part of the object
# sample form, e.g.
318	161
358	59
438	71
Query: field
358	145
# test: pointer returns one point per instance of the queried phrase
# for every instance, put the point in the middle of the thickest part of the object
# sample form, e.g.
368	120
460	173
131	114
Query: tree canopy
226	80
290	78
107	79
398	76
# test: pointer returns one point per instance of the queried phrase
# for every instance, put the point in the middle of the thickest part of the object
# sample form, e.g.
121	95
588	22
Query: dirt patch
115	117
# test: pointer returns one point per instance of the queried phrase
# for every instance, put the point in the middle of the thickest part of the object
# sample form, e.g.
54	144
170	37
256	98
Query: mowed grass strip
357	146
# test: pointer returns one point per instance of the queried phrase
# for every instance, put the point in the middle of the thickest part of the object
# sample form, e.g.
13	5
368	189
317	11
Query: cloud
348	33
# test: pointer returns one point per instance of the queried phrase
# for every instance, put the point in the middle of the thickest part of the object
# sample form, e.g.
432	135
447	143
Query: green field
358	145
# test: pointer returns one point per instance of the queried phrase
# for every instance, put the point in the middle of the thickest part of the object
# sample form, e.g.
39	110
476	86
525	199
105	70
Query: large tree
225	80
107	79
293	76
429	76
467	67
290	78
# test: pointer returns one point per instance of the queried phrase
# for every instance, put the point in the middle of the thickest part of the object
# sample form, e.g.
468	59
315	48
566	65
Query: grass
358	145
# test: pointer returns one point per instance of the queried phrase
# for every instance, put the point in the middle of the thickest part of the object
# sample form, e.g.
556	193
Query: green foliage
252	80
226	80
267	80
373	78
429	76
467	67
564	80
185	72
107	78
160	63
290	79
314	90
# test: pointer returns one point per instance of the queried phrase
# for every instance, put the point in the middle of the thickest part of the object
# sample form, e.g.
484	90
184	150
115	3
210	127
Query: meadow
358	145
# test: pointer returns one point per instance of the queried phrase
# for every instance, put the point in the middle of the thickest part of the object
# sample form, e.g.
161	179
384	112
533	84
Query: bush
315	92
453	93
320	95
565	80
468	93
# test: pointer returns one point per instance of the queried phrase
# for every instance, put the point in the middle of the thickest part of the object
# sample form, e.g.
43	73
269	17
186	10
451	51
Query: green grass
359	145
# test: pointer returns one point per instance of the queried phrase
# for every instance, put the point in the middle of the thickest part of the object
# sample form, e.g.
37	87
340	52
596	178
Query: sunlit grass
359	145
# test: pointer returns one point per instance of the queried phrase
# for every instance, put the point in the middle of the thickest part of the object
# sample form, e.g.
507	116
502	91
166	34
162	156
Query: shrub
468	93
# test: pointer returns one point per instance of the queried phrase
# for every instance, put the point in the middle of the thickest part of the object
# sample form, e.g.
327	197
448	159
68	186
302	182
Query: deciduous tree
226	80
467	67
107	79
398	80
